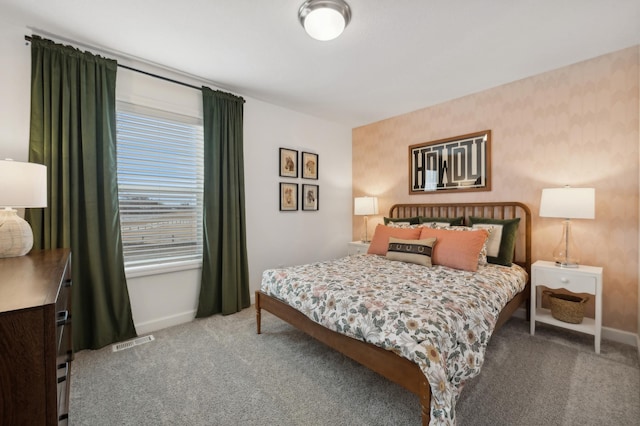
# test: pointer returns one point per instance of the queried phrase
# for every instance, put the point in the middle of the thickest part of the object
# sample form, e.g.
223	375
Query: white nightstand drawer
357	247
566	279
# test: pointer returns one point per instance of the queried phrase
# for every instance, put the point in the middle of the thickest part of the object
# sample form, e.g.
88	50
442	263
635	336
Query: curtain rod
170	80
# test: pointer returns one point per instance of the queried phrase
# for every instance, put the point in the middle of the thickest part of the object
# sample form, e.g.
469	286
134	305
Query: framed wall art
288	196
310	197
309	165
288	163
461	163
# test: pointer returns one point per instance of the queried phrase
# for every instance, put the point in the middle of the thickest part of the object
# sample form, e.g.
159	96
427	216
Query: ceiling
393	58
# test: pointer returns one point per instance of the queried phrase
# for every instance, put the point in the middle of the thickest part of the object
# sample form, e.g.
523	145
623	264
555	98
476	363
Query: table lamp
568	203
21	185
365	206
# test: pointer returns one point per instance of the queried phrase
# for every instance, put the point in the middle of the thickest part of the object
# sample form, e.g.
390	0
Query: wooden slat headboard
493	210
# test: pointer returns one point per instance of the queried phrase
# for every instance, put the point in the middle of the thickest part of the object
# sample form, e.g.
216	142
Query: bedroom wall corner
273	238
577	125
638	312
284	238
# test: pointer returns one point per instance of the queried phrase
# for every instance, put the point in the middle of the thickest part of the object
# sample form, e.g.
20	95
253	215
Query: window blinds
160	185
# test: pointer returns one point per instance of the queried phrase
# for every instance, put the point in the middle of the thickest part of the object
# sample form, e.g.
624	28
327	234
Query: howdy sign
461	163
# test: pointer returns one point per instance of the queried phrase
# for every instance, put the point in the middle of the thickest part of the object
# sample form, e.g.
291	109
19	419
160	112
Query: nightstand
585	279
357	247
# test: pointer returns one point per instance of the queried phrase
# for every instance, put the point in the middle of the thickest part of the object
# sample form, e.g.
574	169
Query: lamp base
566	264
16	237
365	237
566	254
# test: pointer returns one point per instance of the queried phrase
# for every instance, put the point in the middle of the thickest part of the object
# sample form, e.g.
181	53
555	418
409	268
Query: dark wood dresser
35	338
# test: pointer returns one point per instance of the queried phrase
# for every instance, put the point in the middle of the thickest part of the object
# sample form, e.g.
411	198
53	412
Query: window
160	185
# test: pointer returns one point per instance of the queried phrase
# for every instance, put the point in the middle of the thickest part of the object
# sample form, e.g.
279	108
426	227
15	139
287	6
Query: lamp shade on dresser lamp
22	185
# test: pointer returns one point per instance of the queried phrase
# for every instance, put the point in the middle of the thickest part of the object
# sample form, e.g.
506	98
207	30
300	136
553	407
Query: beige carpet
217	371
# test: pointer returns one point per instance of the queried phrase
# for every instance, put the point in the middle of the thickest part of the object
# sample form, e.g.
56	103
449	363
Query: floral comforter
437	317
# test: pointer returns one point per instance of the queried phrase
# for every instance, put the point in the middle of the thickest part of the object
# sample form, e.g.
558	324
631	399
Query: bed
408	368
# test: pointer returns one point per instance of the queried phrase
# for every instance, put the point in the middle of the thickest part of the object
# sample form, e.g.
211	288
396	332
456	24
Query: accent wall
577	125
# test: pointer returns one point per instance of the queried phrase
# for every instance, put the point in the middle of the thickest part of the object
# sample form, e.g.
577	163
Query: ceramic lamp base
16	237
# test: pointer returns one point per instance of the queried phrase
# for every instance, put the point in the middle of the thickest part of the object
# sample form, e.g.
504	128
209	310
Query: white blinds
160	185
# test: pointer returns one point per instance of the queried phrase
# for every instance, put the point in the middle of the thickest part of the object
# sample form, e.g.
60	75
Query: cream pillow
411	251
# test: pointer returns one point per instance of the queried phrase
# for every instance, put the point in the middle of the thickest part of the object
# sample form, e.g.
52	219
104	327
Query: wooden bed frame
388	364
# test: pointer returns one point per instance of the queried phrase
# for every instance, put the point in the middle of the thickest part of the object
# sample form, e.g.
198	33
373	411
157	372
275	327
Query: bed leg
258	318
425	401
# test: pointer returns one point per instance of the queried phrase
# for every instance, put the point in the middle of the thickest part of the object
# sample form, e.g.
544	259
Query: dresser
35	338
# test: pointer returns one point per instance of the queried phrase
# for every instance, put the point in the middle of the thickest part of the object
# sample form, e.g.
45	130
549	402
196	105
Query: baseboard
620	336
608	333
146	327
160	323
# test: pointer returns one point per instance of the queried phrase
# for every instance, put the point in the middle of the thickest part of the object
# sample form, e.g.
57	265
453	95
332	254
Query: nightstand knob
564	280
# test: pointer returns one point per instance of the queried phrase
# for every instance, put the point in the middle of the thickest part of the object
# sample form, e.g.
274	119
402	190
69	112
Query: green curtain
224	286
73	133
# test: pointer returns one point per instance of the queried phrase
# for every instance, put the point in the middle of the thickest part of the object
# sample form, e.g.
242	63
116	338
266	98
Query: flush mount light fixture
324	19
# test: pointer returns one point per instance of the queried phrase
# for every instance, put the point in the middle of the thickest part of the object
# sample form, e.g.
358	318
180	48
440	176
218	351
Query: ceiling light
324	19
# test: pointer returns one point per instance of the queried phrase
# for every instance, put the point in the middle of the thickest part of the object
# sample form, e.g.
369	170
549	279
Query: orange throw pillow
380	241
456	249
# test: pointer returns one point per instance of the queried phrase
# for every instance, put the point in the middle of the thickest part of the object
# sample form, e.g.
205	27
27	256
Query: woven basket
566	308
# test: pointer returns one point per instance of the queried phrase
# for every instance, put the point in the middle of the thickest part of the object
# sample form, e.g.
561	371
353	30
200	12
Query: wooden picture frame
288	196
310	197
457	164
309	164
288	162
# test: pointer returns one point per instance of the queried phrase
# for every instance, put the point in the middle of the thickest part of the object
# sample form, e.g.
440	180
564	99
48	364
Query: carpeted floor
217	371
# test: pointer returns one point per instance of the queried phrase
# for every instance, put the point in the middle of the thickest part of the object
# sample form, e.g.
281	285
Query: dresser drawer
63	376
63	318
575	282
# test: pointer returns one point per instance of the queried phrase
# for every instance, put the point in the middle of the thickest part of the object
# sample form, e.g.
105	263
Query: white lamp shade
363	206
22	184
568	203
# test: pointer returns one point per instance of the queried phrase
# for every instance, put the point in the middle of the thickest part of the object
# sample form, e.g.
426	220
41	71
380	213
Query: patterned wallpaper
577	126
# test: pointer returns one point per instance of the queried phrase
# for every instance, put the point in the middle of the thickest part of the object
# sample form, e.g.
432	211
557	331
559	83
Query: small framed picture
288	196
288	163
309	165
310	197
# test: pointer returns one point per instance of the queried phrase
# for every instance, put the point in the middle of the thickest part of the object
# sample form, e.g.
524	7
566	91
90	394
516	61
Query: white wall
273	238
15	73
